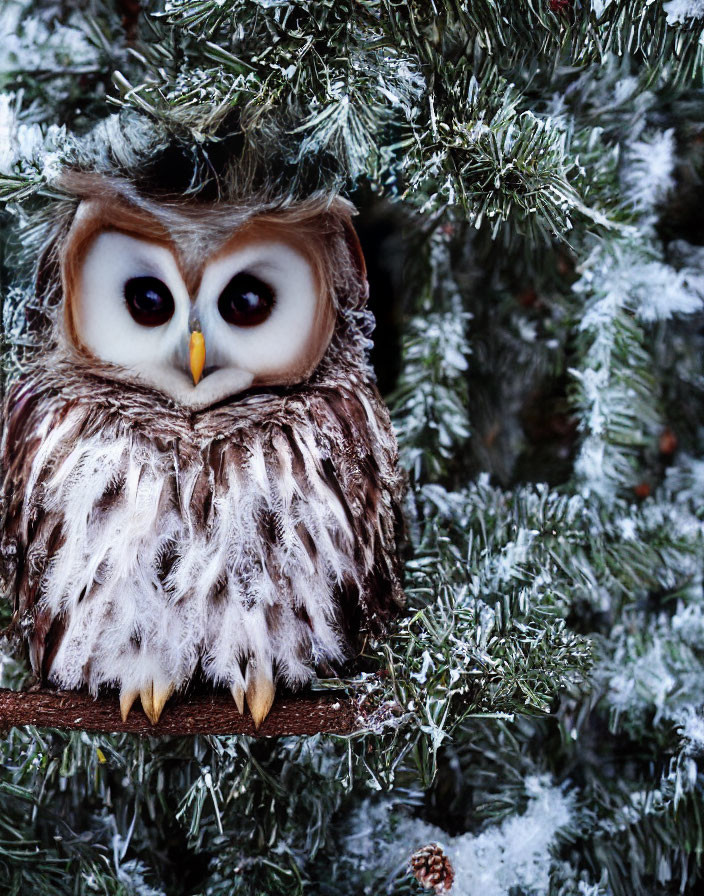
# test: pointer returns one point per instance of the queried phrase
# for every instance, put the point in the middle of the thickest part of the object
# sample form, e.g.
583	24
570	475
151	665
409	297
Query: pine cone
432	868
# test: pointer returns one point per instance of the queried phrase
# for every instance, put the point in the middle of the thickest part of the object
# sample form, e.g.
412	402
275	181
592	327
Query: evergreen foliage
539	710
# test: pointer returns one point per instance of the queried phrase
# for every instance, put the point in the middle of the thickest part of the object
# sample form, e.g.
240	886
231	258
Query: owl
200	478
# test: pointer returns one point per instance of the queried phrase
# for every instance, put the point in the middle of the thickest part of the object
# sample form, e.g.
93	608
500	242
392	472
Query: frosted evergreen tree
539	711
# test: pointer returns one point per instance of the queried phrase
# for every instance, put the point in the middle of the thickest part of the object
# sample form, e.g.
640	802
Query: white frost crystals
25	147
679	11
627	285
648	172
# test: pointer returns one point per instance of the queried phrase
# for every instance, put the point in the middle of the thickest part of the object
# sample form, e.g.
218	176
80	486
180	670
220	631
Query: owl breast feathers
246	533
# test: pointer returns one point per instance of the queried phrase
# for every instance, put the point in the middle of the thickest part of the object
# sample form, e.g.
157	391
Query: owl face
196	319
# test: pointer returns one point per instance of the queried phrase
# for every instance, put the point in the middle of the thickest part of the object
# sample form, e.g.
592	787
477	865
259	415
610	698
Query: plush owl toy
200	478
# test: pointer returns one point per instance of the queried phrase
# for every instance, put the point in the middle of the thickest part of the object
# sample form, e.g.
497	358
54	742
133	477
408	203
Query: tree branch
201	714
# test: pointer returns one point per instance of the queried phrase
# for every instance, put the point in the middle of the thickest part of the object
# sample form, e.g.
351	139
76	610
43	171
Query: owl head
202	302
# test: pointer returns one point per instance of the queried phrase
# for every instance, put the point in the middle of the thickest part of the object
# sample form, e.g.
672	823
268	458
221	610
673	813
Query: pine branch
208	714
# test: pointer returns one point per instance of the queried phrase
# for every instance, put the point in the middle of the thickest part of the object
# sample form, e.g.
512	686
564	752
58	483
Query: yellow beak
196	349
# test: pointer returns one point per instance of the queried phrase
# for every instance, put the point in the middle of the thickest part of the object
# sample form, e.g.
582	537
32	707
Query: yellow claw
196	350
260	691
154	697
237	692
127	698
161	694
147	697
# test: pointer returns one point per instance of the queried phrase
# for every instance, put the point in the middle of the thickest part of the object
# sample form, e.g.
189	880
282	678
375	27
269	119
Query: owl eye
246	301
149	301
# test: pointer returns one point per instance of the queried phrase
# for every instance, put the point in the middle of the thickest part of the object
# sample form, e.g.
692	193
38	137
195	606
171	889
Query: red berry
642	490
668	441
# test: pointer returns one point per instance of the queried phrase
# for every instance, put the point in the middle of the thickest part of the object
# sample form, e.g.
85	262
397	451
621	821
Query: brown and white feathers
249	536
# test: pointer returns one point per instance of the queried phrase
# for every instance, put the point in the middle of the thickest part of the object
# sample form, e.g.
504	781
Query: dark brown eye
246	301
149	301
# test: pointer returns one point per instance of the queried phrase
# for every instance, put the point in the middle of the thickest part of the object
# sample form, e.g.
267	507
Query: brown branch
202	714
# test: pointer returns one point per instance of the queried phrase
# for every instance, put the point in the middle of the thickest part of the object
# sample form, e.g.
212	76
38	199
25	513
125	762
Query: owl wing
29	535
361	468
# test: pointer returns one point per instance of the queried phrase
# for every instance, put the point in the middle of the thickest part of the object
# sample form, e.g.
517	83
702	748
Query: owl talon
147	697
237	692
154	697
160	696
127	699
260	691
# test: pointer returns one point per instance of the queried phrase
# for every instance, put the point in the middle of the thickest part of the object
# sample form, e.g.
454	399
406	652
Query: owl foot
153	696
260	690
258	687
